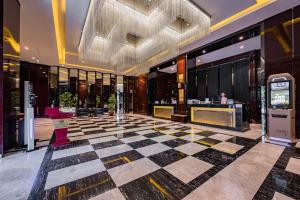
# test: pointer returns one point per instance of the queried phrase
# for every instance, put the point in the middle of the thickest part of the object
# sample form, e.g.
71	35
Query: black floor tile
167	157
142	143
120	159
215	157
152	135
72	144
206	133
127	135
209	142
107	144
158	185
84	188
180	134
72	160
242	141
175	143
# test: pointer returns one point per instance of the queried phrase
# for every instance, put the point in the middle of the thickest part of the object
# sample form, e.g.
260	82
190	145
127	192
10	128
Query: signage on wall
180	78
181	95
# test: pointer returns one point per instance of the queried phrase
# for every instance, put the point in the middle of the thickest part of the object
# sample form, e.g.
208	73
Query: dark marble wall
129	92
281	49
141	95
181	80
37	75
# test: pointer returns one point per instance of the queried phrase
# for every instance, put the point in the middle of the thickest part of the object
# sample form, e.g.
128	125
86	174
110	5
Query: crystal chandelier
136	34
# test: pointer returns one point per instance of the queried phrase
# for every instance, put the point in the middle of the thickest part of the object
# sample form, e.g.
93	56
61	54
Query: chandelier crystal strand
137	34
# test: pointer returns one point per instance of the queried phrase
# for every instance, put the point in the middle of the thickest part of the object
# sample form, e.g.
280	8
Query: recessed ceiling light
172	68
242	47
26	48
198	60
203	51
241	37
33	57
158	68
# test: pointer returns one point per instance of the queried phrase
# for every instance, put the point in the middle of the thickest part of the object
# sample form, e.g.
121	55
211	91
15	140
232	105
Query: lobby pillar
181	80
1	80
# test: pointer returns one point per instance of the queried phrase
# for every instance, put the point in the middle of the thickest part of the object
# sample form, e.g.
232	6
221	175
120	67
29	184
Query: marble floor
138	157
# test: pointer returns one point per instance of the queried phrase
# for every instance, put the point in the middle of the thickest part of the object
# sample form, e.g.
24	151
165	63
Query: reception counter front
220	115
164	111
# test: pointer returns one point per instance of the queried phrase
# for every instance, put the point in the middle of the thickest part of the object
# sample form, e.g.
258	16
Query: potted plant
67	102
98	100
111	104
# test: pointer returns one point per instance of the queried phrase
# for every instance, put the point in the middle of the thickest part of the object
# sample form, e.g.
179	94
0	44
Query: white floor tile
75	172
75	134
133	139
131	171
192	137
233	182
71	151
188	168
193	130
221	137
228	147
113	150
191	148
153	149
92	129
279	196
168	132
146	132
163	138
114	129
102	139
293	166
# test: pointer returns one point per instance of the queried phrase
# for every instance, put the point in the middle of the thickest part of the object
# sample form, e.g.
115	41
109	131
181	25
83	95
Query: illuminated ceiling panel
126	33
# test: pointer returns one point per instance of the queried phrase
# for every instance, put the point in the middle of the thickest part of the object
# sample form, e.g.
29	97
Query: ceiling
38	32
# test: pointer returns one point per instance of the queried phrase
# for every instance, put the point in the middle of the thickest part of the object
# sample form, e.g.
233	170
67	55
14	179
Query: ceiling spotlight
158	68
242	47
241	37
33	57
198	60
172	68
203	51
26	48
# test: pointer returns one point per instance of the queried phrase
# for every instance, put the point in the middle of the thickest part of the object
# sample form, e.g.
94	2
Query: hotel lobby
150	100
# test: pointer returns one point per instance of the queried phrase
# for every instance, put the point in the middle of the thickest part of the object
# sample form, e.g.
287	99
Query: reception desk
220	115
164	111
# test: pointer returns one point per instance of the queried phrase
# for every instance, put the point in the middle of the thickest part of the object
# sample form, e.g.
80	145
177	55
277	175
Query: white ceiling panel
221	9
37	32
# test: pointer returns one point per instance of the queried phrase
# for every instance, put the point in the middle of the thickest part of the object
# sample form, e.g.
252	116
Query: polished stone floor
137	157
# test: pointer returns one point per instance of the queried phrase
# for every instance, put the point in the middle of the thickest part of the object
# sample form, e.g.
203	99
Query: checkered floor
134	158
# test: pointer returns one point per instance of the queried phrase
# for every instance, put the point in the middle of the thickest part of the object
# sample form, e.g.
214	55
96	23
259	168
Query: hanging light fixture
125	34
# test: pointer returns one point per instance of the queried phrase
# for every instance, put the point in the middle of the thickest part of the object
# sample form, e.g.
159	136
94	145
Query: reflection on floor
134	157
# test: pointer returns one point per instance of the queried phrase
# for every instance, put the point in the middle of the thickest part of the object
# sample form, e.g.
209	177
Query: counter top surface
214	105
